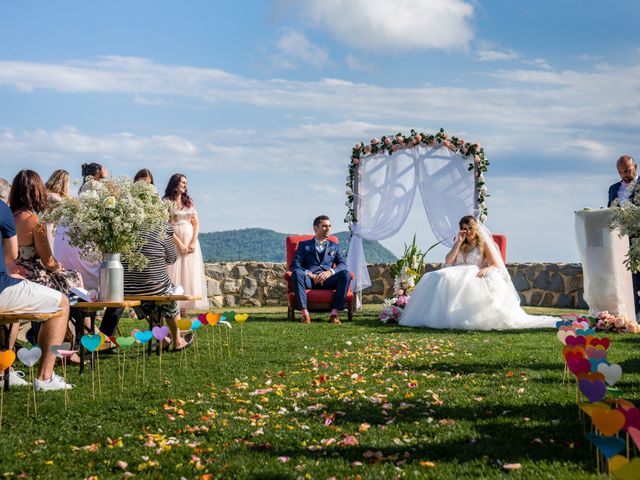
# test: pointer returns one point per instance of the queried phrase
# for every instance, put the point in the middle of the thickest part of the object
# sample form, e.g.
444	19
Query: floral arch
383	179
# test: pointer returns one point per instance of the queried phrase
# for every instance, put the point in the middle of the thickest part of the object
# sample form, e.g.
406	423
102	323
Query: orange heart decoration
578	349
608	421
6	359
591	376
213	318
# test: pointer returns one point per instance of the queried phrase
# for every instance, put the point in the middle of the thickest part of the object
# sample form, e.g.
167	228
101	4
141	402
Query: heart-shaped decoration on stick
63	346
7	357
91	342
65	353
609	446
608	421
212	318
241	317
160	333
125	342
143	337
184	324
612	373
29	356
195	325
594	391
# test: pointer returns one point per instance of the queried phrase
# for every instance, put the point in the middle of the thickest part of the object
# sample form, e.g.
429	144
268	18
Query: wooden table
155	316
81	310
9	318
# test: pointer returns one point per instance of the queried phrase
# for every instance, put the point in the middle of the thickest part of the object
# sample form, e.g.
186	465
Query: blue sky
259	103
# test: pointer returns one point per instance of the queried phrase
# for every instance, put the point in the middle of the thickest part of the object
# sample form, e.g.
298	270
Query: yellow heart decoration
587	407
6	359
184	324
617	461
241	317
608	421
103	338
629	471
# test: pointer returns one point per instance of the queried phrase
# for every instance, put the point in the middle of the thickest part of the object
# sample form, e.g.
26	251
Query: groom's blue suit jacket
307	257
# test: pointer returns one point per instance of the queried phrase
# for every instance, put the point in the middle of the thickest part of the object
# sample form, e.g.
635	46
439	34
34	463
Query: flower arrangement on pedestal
406	273
111	216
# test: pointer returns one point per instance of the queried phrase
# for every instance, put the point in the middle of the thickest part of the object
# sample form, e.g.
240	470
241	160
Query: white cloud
356	64
539	62
294	49
401	25
496	55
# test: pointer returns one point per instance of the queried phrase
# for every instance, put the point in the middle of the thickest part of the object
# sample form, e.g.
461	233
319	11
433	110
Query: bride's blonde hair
466	247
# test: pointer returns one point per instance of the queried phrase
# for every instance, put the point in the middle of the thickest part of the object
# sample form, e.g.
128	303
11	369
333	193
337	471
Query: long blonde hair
478	241
58	183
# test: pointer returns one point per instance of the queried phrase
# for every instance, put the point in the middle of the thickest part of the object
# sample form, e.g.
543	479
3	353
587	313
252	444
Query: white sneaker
16	379
56	382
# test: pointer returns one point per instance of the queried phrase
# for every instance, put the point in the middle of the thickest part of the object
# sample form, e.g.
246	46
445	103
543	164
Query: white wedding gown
454	297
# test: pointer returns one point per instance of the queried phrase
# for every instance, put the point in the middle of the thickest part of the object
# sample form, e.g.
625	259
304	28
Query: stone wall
232	284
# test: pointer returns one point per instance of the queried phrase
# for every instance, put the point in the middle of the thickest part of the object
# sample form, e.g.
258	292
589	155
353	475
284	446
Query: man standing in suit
622	191
318	263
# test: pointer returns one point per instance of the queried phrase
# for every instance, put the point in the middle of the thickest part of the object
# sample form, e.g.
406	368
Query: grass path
361	400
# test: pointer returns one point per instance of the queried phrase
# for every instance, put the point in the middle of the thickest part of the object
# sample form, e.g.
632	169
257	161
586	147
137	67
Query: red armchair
317	300
501	241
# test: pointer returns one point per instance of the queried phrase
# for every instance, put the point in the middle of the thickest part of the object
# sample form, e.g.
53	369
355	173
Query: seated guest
144	175
35	261
160	251
28	198
22	295
69	255
319	264
57	188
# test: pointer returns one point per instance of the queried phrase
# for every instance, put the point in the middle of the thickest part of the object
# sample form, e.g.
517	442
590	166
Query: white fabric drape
386	186
384	193
607	282
447	189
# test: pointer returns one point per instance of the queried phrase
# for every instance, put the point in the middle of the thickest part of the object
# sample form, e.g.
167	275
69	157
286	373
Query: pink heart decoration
581	325
203	322
160	332
631	418
594	391
65	353
635	435
578	365
596	353
573	340
601	341
202	316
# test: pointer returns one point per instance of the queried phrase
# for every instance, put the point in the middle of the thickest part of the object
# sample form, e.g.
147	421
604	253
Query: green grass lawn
360	400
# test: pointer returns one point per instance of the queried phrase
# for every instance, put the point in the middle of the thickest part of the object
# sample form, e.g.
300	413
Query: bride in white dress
473	292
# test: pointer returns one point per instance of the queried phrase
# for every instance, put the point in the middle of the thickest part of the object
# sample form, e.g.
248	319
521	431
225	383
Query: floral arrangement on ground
406	273
607	322
392	143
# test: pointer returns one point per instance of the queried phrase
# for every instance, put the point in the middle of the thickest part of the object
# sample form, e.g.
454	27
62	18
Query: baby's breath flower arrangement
111	216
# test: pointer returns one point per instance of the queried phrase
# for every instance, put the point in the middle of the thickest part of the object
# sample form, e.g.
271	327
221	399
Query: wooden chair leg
350	313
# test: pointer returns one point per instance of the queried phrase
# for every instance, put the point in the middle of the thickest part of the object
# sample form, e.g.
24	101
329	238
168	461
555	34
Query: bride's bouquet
111	216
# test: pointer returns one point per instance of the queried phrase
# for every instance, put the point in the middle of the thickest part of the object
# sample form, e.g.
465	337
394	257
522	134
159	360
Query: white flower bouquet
111	216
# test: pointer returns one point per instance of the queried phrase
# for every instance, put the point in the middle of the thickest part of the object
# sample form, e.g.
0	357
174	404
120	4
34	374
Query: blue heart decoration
91	342
585	333
609	446
597	361
143	337
196	324
566	323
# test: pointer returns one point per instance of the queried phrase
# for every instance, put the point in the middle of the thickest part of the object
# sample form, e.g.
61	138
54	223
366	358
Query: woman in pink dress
188	271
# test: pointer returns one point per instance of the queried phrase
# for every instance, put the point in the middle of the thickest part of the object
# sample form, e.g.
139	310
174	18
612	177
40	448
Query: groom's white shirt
625	189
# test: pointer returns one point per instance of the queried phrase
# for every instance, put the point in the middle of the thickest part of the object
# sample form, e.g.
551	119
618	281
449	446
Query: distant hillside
264	245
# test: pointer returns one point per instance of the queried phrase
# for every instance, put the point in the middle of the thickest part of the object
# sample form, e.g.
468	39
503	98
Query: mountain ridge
265	245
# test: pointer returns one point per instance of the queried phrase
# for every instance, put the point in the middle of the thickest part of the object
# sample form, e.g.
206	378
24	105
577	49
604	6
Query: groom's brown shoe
334	319
305	318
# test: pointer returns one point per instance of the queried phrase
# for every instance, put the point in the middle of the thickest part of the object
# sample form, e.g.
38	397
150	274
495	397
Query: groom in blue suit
625	190
318	263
